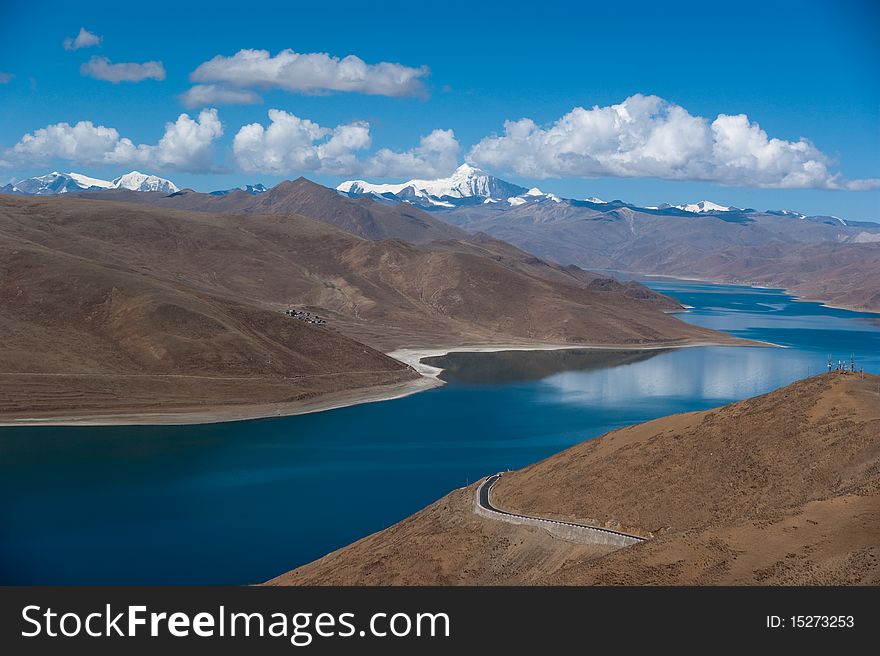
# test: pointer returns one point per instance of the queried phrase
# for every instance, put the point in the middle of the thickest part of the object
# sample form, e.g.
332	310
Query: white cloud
293	144
84	39
83	142
202	95
646	136
310	73
6	78
436	155
187	144
101	68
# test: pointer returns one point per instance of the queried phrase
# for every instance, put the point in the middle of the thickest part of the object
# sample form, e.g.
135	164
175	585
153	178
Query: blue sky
796	69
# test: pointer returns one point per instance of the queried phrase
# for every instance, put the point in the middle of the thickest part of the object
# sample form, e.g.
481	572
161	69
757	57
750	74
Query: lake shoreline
795	296
412	356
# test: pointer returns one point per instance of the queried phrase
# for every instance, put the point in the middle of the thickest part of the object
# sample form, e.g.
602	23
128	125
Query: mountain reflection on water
516	365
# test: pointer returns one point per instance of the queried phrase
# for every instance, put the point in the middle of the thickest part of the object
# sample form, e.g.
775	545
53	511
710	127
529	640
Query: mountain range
820	257
126	303
64	183
469	186
466	187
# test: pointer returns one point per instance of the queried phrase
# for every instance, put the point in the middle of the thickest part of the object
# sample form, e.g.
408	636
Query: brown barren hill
821	258
93	288
362	217
779	489
86	340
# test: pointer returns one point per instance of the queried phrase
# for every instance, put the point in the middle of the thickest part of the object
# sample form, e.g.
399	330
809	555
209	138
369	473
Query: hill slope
362	217
818	257
389	292
779	489
91	340
95	287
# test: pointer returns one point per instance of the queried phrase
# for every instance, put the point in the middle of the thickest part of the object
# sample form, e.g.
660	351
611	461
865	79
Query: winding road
570	529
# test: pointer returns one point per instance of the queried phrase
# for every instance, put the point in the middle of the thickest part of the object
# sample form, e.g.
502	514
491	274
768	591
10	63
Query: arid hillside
388	292
820	258
779	489
842	275
363	217
86	339
93	287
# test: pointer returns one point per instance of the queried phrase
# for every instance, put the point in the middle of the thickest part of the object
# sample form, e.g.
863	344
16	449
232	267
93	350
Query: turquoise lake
242	502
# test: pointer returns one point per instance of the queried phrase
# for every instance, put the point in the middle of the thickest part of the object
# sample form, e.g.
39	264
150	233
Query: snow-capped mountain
704	206
87	182
253	190
63	183
466	186
58	183
470	187
137	181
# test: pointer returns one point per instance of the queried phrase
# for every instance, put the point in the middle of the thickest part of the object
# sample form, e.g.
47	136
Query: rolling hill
824	258
361	217
97	288
781	489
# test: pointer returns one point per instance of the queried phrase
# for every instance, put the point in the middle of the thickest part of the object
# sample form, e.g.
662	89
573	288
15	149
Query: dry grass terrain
779	489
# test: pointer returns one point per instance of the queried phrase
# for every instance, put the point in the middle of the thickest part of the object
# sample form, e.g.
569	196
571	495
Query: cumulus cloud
436	155
101	68
291	143
310	73
647	136
6	78
187	144
202	95
84	39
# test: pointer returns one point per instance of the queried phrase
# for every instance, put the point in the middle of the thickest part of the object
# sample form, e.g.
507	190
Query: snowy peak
64	183
59	183
137	181
87	182
704	206
467	185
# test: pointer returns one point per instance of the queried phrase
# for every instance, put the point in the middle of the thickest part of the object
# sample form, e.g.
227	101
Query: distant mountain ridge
469	187
56	182
359	216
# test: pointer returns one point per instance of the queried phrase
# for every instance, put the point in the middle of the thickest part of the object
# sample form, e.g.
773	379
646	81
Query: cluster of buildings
308	317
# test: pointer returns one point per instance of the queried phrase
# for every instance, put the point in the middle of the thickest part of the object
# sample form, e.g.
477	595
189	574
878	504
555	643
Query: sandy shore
220	414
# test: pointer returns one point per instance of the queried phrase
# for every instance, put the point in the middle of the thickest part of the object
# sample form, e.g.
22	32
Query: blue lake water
244	501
